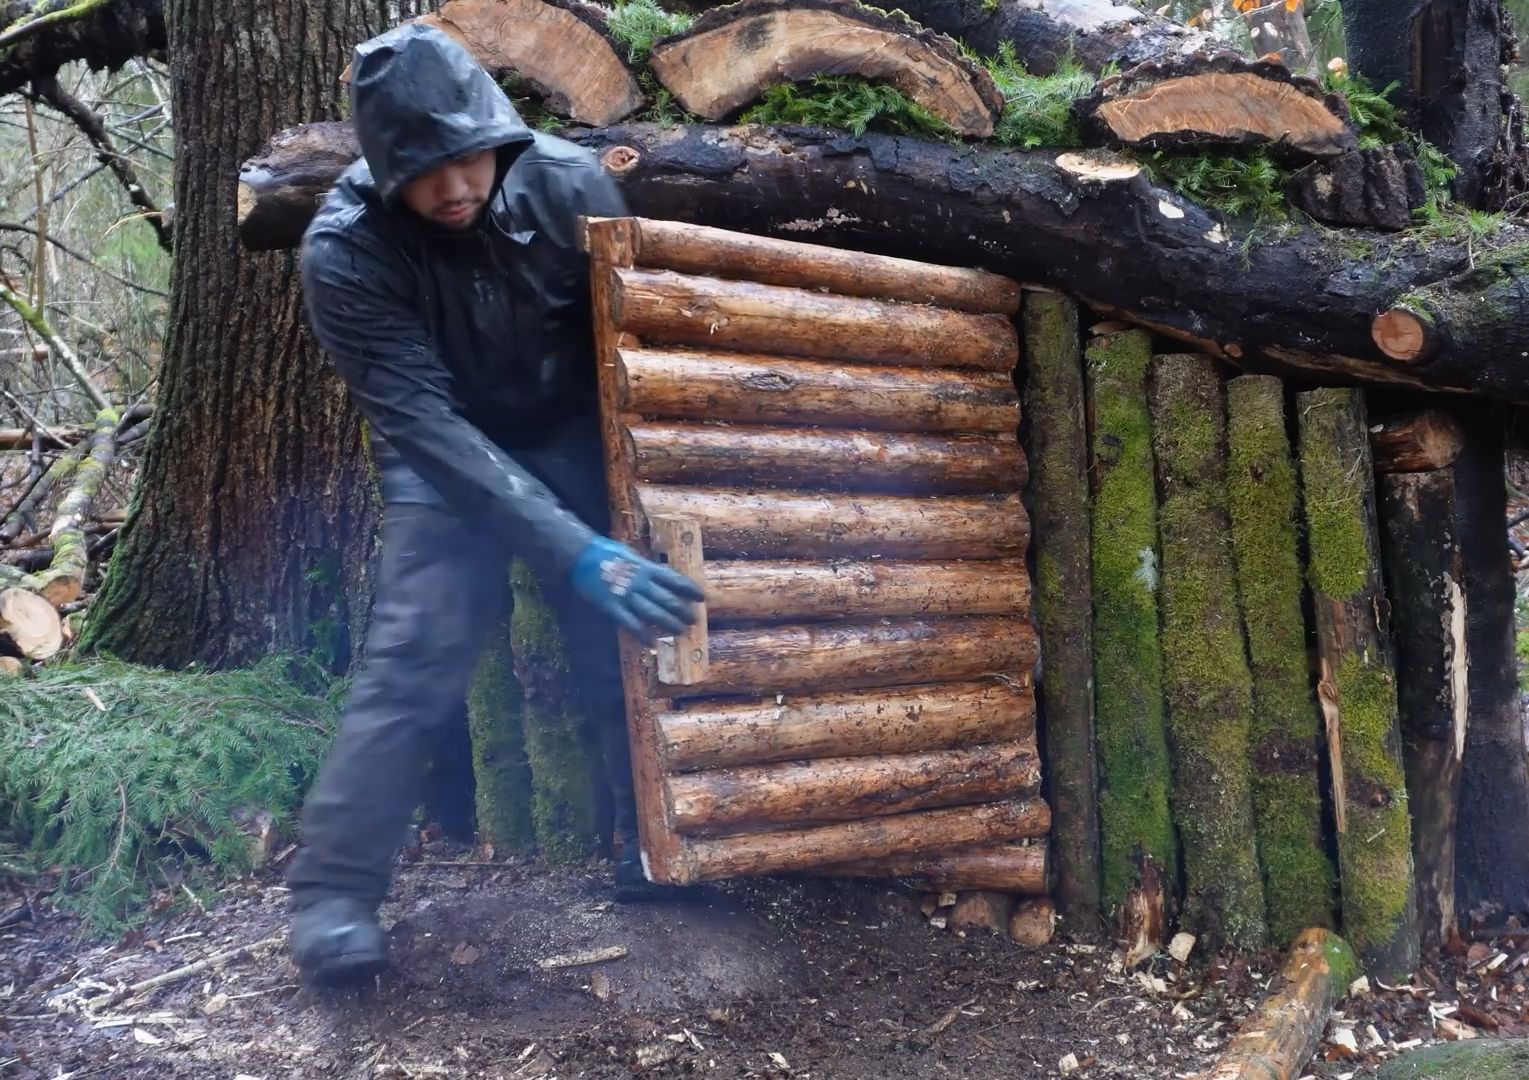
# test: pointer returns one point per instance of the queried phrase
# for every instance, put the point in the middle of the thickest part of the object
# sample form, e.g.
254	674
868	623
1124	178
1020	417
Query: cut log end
1402	334
29	624
982	911
1033	922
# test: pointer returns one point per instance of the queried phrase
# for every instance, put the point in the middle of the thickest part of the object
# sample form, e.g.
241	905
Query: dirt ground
762	979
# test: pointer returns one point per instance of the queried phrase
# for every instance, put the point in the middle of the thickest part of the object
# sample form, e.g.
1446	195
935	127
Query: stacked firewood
52	531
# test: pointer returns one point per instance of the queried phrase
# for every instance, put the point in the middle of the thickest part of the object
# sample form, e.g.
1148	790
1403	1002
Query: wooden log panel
818	459
868	838
700	249
724	801
781	591
680	309
786	524
684	384
1021	869
847	724
886	652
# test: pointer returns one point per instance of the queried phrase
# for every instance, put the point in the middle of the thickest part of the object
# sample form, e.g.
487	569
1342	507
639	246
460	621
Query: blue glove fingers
656	593
677	583
654	615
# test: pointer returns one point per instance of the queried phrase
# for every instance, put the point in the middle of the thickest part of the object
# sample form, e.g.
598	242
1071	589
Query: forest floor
762	979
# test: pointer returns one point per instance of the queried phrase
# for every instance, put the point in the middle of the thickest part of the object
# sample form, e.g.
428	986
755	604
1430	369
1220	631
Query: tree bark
1423	564
252	525
1492	845
1137	841
1358	683
495	717
1058	447
1299	878
1206	681
105	36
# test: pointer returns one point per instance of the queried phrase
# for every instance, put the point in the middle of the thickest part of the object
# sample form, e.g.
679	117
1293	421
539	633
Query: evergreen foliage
850	102
637	24
1250	185
1038	108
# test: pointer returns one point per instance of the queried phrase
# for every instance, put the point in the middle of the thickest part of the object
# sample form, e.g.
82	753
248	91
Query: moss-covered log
564	762
494	707
62	582
1358	683
1131	732
1423	565
1206	681
1058	453
1299	877
23	516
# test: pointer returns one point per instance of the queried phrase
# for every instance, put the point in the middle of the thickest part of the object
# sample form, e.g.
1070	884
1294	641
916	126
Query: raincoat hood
419	100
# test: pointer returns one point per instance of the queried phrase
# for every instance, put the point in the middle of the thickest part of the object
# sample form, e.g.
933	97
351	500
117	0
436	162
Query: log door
828	441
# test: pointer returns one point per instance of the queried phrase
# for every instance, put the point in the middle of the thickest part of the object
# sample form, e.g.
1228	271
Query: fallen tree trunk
22	517
97	35
1358	683
1277	1041
1206	681
1027	215
65	576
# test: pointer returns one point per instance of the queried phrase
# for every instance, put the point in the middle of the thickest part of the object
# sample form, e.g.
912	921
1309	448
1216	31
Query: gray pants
442	588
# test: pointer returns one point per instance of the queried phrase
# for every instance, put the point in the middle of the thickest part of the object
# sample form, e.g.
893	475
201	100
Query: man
443	278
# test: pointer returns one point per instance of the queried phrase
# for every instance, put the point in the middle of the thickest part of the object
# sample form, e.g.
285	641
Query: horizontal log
731	55
1022	869
885	652
1416	442
723	801
687	385
700	249
826	459
783	591
682	309
787	524
868	838
899	721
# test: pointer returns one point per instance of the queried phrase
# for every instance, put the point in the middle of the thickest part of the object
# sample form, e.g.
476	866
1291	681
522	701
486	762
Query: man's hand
641	596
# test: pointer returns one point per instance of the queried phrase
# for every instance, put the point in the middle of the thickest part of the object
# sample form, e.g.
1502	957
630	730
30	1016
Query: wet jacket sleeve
360	312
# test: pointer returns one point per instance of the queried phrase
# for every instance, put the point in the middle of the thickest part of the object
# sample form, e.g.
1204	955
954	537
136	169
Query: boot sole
345	969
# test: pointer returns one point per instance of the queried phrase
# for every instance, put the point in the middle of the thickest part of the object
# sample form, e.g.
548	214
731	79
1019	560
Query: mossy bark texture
494	706
564	764
1058	450
1358	685
1300	880
1205	671
1130	727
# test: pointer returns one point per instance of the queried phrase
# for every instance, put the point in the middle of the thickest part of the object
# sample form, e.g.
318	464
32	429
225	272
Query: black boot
336	942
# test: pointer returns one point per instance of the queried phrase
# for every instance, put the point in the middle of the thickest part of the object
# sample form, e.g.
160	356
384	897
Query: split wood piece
1032	922
1416	442
1206	680
1376	188
739	523
1219	100
21	517
935	717
884	652
700	249
681	309
583	959
1279	28
1136	828
1054	400
1300	881
1357	687
720	802
690	385
868	838
1425	572
1019	869
62	582
818	458
1141	921
1277	1041
682	658
790	590
280	188
733	54
29	624
982	910
563	48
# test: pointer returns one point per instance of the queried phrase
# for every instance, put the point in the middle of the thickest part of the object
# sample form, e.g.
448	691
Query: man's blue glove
641	596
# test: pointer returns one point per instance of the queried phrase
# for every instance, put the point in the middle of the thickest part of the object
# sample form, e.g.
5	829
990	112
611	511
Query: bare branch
60	348
10	226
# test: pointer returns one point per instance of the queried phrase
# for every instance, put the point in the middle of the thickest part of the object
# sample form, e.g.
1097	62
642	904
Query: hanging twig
57	345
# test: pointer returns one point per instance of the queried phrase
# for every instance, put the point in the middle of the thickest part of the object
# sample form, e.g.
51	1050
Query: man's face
453	194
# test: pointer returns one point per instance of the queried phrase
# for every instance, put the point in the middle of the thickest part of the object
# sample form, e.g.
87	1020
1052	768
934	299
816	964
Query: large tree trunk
253	521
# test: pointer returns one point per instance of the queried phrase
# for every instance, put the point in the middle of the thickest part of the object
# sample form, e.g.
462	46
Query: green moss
1299	878
1130	726
564	765
1342	964
1504	1059
851	102
494	718
1205	673
1333	493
